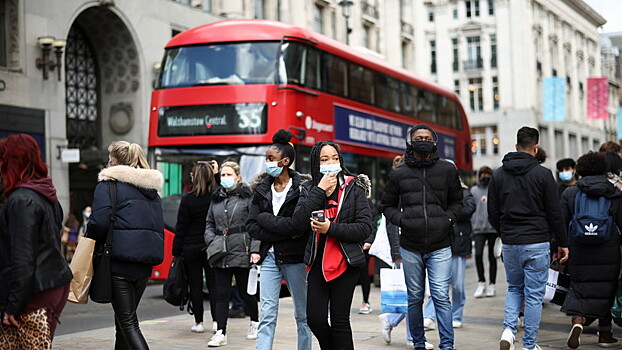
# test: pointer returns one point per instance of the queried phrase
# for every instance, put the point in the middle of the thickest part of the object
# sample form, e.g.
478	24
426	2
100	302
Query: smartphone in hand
318	215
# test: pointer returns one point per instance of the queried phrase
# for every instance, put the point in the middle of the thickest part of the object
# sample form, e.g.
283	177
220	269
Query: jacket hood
598	186
242	191
43	186
148	179
519	163
264	177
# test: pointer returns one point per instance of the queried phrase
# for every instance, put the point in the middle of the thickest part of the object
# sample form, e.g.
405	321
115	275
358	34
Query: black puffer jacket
461	245
523	202
593	269
138	232
353	225
30	255
190	226
277	231
229	210
426	219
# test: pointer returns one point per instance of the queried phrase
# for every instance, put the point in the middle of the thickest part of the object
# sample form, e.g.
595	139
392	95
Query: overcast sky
611	10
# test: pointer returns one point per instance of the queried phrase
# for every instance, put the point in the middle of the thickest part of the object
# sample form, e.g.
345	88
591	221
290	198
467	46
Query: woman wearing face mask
227	215
334	253
282	247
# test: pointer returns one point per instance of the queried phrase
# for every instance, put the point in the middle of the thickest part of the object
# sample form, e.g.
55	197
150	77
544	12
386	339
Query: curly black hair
592	163
315	160
280	141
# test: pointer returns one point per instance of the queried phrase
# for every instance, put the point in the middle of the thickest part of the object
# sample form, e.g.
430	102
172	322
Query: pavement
482	326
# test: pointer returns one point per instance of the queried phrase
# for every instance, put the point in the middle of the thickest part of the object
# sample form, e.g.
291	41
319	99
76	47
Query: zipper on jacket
425	211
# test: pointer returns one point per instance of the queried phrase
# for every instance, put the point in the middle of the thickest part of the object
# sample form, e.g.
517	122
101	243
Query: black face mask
423	148
485	180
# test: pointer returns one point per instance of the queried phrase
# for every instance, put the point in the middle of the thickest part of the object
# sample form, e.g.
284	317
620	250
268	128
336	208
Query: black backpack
175	288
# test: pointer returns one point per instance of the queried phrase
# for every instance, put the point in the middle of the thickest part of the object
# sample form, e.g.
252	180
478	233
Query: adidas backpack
592	222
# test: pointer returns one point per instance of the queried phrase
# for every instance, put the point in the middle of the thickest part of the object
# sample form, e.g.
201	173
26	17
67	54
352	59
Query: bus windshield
219	64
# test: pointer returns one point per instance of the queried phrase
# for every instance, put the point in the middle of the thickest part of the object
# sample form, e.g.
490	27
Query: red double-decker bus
225	88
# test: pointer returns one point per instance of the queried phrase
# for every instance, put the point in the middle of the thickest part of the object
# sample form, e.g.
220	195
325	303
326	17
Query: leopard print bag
33	333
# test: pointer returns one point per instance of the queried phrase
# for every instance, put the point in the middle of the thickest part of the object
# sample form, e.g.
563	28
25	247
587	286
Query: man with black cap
423	197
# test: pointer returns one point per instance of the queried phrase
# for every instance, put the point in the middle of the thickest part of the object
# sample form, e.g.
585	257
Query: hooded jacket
461	245
277	231
523	203
479	220
425	212
229	211
353	224
138	232
593	269
30	253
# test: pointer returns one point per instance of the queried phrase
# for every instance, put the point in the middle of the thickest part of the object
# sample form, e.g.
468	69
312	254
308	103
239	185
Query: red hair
20	161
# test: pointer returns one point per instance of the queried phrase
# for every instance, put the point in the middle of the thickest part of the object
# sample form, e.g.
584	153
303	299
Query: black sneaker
237	313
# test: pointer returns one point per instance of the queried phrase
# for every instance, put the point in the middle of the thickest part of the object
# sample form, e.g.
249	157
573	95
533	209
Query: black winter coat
289	242
190	226
30	254
353	224
426	219
593	269
461	245
138	232
523	202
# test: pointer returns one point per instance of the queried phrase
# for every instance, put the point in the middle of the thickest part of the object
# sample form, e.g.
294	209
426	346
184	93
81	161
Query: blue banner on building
369	130
620	123
554	99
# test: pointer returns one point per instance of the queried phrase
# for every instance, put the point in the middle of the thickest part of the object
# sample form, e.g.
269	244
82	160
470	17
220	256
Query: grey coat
229	212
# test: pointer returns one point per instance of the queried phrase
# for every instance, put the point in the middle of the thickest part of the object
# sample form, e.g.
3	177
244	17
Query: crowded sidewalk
481	330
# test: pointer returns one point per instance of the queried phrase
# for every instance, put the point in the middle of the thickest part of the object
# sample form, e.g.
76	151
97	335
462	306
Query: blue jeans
395	319
438	267
526	269
269	288
458	298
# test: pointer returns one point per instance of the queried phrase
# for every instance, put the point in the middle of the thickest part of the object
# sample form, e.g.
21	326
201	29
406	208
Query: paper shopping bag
82	269
393	295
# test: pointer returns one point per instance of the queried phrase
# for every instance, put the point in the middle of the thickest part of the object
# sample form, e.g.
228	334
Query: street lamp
346	6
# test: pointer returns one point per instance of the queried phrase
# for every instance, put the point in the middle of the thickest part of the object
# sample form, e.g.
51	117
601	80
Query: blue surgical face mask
273	169
227	182
566	176
330	168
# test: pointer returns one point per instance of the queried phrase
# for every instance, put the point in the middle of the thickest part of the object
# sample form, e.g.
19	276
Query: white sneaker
411	345
490	290
385	327
429	324
252	331
365	309
521	322
428	346
480	290
507	340
214	326
456	324
537	347
217	340
497	249
198	328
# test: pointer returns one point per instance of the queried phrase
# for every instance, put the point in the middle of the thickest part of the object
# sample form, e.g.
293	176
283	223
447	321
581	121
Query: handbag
393	293
32	334
218	249
101	284
175	287
557	285
82	269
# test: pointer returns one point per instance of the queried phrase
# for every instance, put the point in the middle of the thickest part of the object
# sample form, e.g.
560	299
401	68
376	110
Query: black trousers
196	265
480	242
223	294
335	295
126	294
364	279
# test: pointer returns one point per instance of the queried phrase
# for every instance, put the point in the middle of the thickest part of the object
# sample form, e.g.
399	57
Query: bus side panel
160	272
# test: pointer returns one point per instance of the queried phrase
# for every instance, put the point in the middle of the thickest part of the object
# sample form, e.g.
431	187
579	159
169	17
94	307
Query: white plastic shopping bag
381	247
393	295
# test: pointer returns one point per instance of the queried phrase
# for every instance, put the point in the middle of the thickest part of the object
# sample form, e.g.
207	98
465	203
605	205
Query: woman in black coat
594	268
334	251
138	233
33	271
189	242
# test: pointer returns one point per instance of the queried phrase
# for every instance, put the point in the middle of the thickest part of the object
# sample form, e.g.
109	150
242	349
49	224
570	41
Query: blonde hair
236	168
203	180
128	154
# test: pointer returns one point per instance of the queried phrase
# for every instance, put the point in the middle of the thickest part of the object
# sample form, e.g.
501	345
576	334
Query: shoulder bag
101	285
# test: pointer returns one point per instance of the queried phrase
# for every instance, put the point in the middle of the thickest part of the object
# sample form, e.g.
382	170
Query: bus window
381	89
293	59
360	84
220	64
394	89
426	106
446	111
407	99
313	72
336	75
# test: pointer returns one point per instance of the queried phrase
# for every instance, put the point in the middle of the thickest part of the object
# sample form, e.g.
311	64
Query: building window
454	11
367	36
476	100
207	5
454	44
491	7
406	54
472	8
493	50
3	34
430	15
474	53
260	10
484	141
318	18
433	56
495	93
457	87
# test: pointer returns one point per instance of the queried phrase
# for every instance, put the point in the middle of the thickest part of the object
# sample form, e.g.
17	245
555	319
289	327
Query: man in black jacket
524	208
423	197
